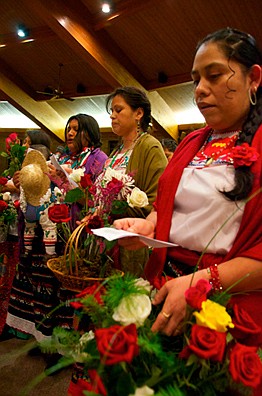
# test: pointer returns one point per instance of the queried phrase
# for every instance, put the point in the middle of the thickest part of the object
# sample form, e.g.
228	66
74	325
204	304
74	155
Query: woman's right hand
136	225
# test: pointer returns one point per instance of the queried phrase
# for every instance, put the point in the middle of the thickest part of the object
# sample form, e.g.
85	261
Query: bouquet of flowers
123	357
8	211
14	154
102	201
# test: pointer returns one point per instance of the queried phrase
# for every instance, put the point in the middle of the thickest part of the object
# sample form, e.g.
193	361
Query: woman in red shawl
203	202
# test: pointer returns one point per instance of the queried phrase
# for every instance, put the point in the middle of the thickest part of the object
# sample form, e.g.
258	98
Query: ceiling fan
56	93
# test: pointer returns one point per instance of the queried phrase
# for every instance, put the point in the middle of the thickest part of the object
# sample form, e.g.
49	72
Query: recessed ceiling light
106	8
22	31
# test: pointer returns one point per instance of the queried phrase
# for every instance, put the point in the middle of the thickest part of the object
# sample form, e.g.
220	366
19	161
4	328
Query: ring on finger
166	315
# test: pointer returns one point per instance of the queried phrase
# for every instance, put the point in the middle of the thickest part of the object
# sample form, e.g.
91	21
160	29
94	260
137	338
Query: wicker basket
71	282
68	273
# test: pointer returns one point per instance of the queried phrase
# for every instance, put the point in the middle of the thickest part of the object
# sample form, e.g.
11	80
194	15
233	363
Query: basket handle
72	246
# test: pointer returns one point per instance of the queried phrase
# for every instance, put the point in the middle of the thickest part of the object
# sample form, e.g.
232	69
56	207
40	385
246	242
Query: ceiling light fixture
22	31
106	7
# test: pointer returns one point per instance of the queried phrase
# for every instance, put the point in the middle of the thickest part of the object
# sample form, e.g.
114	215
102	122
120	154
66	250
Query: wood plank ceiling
149	44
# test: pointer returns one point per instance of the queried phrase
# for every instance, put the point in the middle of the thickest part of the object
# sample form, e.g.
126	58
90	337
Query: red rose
244	155
3	181
97	384
117	344
59	213
3	206
245	365
17	204
94	385
244	325
86	181
93	290
207	343
195	295
94	222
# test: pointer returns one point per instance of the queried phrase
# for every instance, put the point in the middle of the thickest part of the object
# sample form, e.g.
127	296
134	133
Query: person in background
59	151
212	173
169	146
83	142
138	153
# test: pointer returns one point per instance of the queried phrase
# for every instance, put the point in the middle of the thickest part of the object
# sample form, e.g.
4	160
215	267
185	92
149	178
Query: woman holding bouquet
209	197
138	154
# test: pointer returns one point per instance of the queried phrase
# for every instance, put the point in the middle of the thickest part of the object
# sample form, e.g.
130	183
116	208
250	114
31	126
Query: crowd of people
204	194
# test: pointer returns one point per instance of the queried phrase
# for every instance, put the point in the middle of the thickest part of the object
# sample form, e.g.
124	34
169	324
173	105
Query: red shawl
248	242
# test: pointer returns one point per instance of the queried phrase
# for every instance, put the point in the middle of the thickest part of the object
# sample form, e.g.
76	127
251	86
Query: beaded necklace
116	162
123	160
217	145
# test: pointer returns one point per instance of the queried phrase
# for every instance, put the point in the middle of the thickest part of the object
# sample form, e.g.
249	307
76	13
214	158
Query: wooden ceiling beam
123	8
74	30
39	112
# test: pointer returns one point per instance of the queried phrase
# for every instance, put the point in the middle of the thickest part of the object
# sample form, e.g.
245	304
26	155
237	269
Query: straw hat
33	177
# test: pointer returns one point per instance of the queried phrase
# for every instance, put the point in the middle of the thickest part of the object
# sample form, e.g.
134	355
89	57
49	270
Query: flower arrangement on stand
123	357
85	252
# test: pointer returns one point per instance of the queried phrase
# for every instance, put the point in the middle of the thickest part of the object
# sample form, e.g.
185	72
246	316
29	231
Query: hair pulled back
242	48
135	98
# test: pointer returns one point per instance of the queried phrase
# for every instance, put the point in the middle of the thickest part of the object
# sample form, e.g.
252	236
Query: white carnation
143	391
140	282
137	198
134	308
6	196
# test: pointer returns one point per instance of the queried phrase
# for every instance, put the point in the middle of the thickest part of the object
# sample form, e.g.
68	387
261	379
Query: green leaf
74	195
3	154
119	207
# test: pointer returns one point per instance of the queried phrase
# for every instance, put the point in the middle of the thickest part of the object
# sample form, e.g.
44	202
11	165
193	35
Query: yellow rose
137	198
214	316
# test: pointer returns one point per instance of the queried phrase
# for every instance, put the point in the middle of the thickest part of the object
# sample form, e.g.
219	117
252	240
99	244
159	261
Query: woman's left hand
173	312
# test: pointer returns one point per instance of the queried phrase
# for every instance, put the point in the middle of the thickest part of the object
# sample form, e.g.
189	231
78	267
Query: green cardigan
147	163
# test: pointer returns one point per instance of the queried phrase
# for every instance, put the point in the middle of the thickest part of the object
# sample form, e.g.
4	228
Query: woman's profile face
71	132
221	88
123	117
27	142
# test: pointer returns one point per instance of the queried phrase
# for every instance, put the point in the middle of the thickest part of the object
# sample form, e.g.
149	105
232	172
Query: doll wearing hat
35	199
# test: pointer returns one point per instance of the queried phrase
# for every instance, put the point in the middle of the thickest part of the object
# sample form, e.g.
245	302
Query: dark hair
60	149
43	149
135	98
169	144
89	126
242	48
39	137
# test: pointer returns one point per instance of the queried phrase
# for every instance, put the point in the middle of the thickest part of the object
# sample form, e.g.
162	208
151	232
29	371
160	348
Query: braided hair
242	48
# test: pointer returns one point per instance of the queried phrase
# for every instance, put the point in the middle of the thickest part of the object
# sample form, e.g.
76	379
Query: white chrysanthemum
76	175
143	391
134	308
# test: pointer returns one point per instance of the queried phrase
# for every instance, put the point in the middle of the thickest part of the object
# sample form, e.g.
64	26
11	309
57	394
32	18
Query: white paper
111	234
54	162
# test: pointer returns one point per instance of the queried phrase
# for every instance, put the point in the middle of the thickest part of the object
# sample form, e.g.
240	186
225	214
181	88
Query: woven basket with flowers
86	256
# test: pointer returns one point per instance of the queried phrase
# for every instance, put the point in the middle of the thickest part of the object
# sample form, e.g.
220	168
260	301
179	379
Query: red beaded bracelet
214	279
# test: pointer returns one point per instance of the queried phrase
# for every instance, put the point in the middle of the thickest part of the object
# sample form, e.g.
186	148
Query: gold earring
252	97
138	127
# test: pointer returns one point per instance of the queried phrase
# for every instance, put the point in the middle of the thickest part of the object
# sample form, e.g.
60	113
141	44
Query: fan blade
46	93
